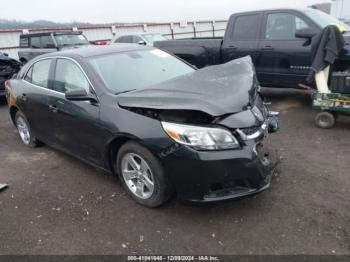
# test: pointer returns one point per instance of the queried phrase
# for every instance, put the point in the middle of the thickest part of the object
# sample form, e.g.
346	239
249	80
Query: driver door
284	60
76	123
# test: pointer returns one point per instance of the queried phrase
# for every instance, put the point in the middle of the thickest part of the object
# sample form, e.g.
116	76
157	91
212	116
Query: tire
24	130
325	120
138	169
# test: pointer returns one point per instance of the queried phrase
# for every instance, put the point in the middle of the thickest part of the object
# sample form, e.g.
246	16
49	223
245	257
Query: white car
139	38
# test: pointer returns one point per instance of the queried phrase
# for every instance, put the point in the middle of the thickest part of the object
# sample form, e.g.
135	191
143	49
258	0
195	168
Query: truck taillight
100	42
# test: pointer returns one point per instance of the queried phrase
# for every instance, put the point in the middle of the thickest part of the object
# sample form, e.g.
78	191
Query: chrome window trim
57	57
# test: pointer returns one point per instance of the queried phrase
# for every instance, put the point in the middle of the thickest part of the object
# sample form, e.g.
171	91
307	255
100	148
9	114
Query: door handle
53	108
232	47
267	48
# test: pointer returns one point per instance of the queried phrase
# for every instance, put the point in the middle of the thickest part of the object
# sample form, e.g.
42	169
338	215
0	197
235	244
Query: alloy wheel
23	130
137	175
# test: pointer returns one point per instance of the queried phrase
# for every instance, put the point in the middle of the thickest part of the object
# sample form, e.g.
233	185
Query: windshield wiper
125	91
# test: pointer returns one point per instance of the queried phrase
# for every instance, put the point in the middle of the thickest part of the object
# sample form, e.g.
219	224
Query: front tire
142	175
25	131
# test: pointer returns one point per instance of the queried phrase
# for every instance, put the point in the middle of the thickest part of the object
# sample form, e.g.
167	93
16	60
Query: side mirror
142	42
305	33
80	95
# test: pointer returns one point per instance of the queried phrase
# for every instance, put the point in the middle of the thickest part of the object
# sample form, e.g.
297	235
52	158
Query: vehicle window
35	42
136	39
68	76
282	26
47	42
119	40
128	39
24	42
154	37
40	73
323	19
246	27
125	39
71	39
138	69
28	76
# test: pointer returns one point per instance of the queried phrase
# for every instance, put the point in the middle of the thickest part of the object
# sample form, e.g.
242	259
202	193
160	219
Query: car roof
66	32
95	50
305	9
137	33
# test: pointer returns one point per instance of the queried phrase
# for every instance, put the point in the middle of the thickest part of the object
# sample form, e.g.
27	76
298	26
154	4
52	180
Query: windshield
323	19
138	69
64	40
151	38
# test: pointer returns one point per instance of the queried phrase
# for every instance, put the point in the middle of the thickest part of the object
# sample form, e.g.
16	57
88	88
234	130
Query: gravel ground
58	205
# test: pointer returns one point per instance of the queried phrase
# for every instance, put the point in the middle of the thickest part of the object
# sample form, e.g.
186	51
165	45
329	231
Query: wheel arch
113	148
13	111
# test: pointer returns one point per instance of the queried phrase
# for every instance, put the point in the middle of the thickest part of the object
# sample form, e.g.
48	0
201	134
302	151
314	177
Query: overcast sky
107	11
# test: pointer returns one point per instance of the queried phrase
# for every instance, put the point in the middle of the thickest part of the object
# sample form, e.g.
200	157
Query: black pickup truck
279	42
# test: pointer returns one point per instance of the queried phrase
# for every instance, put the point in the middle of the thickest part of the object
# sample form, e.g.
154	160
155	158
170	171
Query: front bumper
219	175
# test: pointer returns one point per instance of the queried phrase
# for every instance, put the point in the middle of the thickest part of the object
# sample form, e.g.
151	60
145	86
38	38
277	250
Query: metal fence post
172	30
213	26
194	29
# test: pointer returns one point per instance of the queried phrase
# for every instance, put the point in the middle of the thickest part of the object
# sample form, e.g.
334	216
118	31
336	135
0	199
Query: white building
341	9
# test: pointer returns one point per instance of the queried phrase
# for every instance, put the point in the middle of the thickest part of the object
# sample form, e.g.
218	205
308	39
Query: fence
9	38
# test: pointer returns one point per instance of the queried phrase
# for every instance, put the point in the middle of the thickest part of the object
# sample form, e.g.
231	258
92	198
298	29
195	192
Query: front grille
250	130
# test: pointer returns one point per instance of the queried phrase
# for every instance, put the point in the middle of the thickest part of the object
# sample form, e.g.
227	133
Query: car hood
215	90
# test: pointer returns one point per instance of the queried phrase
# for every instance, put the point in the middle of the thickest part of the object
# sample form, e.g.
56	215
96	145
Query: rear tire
325	120
142	175
24	130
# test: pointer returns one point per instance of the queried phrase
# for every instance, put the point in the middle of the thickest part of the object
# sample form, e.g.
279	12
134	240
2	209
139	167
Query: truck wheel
325	120
142	175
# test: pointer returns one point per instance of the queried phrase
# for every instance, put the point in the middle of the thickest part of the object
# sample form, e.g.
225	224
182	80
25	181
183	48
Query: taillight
100	42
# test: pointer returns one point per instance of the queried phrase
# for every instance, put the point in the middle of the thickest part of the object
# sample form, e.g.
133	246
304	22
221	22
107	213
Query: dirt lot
58	205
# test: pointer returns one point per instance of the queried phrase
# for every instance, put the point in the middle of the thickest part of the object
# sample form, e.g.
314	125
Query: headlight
201	137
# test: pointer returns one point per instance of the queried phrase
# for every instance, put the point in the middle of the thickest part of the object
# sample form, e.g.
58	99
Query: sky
108	11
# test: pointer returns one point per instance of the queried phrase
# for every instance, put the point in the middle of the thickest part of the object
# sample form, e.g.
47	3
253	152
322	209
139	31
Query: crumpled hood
215	90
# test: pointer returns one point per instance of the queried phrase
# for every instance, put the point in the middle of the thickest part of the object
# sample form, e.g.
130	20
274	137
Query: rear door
241	37
40	45
34	98
284	60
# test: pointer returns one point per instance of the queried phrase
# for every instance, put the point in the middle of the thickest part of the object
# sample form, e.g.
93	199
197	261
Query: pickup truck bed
200	52
278	42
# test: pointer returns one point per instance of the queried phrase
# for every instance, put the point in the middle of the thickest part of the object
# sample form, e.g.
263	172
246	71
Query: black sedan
163	127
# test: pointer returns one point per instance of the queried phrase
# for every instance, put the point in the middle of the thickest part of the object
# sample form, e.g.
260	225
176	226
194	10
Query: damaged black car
8	67
162	126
